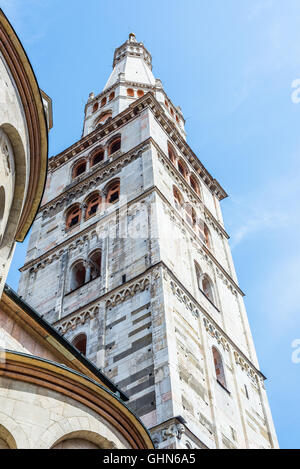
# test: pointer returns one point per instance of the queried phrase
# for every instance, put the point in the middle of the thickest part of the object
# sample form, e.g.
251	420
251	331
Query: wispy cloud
22	21
272	207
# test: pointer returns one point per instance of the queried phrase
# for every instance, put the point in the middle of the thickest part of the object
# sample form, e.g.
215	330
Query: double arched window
93	205
205	284
83	271
183	169
113	192
95	264
73	216
219	367
98	154
78	275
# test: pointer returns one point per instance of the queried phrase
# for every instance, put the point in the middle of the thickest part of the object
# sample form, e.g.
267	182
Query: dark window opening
80	343
115	147
98	157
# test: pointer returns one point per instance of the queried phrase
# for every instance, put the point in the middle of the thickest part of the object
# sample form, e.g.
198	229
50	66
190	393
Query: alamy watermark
296	353
295	96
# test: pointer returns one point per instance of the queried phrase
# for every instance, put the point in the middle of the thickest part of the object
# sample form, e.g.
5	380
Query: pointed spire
134	62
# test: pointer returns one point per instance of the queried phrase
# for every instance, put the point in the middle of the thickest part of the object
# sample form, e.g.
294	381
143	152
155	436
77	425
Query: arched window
207	288
103	118
194	184
177	198
140	93
80	343
78	274
93	205
114	146
97	157
172	153
95	264
95	107
172	112
204	283
111	96
182	168
190	215
219	367
73	216
198	275
177	119
103	101
79	169
204	234
130	92
113	192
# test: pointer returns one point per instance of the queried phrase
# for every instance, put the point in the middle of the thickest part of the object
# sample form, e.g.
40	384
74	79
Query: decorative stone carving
79	318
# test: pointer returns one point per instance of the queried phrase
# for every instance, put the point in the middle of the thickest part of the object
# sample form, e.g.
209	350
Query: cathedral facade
129	260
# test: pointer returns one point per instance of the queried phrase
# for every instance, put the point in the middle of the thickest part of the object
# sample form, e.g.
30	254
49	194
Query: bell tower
129	259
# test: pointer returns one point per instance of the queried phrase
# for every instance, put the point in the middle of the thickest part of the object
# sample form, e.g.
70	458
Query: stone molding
148	100
98	175
142	283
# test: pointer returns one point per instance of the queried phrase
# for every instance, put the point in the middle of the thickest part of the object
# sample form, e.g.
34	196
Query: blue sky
229	65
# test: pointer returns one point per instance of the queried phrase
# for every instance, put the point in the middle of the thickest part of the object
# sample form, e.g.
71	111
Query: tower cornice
148	100
123	158
122	292
56	251
132	48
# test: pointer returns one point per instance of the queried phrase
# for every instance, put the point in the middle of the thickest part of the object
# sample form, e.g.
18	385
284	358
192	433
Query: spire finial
132	37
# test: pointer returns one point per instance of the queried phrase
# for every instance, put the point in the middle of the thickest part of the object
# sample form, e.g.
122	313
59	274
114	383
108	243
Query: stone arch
79	167
172	153
93	204
55	435
7	441
12	433
80	342
103	118
2	207
114	144
112	191
73	215
96	156
20	181
77	274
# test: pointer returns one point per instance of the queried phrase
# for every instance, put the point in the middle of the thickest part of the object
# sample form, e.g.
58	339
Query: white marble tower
130	260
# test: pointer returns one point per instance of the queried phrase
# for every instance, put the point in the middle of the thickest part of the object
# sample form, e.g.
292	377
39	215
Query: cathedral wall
13	336
40	418
14	162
